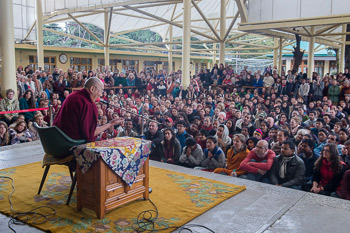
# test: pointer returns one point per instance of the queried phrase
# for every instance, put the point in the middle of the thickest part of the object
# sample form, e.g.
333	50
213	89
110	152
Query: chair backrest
55	142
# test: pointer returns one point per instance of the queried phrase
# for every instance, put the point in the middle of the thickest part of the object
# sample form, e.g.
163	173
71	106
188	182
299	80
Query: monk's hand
116	121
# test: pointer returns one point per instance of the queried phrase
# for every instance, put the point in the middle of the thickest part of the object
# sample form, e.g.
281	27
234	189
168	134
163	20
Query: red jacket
252	167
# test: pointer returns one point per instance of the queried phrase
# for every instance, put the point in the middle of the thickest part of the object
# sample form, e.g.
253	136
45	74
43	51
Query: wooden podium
100	189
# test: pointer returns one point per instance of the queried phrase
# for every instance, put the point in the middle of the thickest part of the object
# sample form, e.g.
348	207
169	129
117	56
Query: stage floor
260	208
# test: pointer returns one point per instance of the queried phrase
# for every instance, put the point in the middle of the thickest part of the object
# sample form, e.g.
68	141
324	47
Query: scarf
283	169
9	104
225	136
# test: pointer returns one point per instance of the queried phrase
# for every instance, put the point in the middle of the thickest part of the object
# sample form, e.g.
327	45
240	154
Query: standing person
235	155
333	92
9	103
328	171
27	102
304	90
78	115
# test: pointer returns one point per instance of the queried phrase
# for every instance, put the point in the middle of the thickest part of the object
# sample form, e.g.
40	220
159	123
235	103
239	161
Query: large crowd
288	130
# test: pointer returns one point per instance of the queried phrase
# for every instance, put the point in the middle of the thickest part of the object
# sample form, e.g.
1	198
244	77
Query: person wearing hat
192	154
258	134
261	117
169	122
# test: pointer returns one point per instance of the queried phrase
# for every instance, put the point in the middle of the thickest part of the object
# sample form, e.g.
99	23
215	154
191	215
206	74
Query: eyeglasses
260	147
326	150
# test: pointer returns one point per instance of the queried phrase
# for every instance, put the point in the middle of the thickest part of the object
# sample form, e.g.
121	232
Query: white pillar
342	50
170	52
39	34
106	48
326	67
222	31
280	57
275	52
214	53
7	45
186	43
311	61
288	65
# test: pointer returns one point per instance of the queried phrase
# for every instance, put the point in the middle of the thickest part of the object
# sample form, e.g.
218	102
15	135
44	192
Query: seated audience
235	155
288	169
214	157
192	154
328	171
258	162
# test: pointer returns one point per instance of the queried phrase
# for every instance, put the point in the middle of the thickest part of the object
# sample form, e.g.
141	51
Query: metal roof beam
86	29
71	36
169	22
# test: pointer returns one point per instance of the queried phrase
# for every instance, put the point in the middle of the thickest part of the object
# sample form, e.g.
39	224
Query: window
49	63
166	66
150	65
284	64
79	64
130	65
333	67
319	67
302	67
112	64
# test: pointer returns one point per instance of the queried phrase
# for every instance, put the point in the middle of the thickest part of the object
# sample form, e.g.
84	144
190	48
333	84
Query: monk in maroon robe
78	115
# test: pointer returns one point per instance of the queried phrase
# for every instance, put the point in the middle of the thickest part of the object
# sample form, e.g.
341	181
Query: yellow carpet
179	198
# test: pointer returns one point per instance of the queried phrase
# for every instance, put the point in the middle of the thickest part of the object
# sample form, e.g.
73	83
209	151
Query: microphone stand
142	116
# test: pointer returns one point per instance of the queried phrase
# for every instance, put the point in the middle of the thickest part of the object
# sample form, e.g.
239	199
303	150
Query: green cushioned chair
57	145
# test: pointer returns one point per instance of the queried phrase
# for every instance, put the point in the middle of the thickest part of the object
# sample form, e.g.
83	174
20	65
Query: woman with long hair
170	148
5	134
251	143
235	155
230	124
328	171
22	134
27	102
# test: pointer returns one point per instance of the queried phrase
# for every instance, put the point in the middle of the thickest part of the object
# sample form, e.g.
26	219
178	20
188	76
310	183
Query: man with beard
288	170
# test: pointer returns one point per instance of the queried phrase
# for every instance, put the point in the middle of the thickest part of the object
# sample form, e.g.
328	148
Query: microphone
103	101
109	104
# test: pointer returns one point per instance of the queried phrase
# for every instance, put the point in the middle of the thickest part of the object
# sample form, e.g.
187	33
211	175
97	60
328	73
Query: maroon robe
78	116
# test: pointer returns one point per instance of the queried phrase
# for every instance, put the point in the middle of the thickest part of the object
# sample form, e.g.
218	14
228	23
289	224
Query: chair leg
72	187
70	172
43	179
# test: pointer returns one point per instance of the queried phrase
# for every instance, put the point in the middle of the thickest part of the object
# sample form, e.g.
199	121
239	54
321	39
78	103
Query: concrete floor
260	208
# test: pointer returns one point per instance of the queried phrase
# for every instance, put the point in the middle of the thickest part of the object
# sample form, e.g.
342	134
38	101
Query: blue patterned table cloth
124	155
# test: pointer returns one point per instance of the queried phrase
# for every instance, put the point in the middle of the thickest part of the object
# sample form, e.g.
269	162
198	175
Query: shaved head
93	81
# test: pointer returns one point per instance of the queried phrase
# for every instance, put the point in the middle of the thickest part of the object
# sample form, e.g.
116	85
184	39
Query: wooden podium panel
100	189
